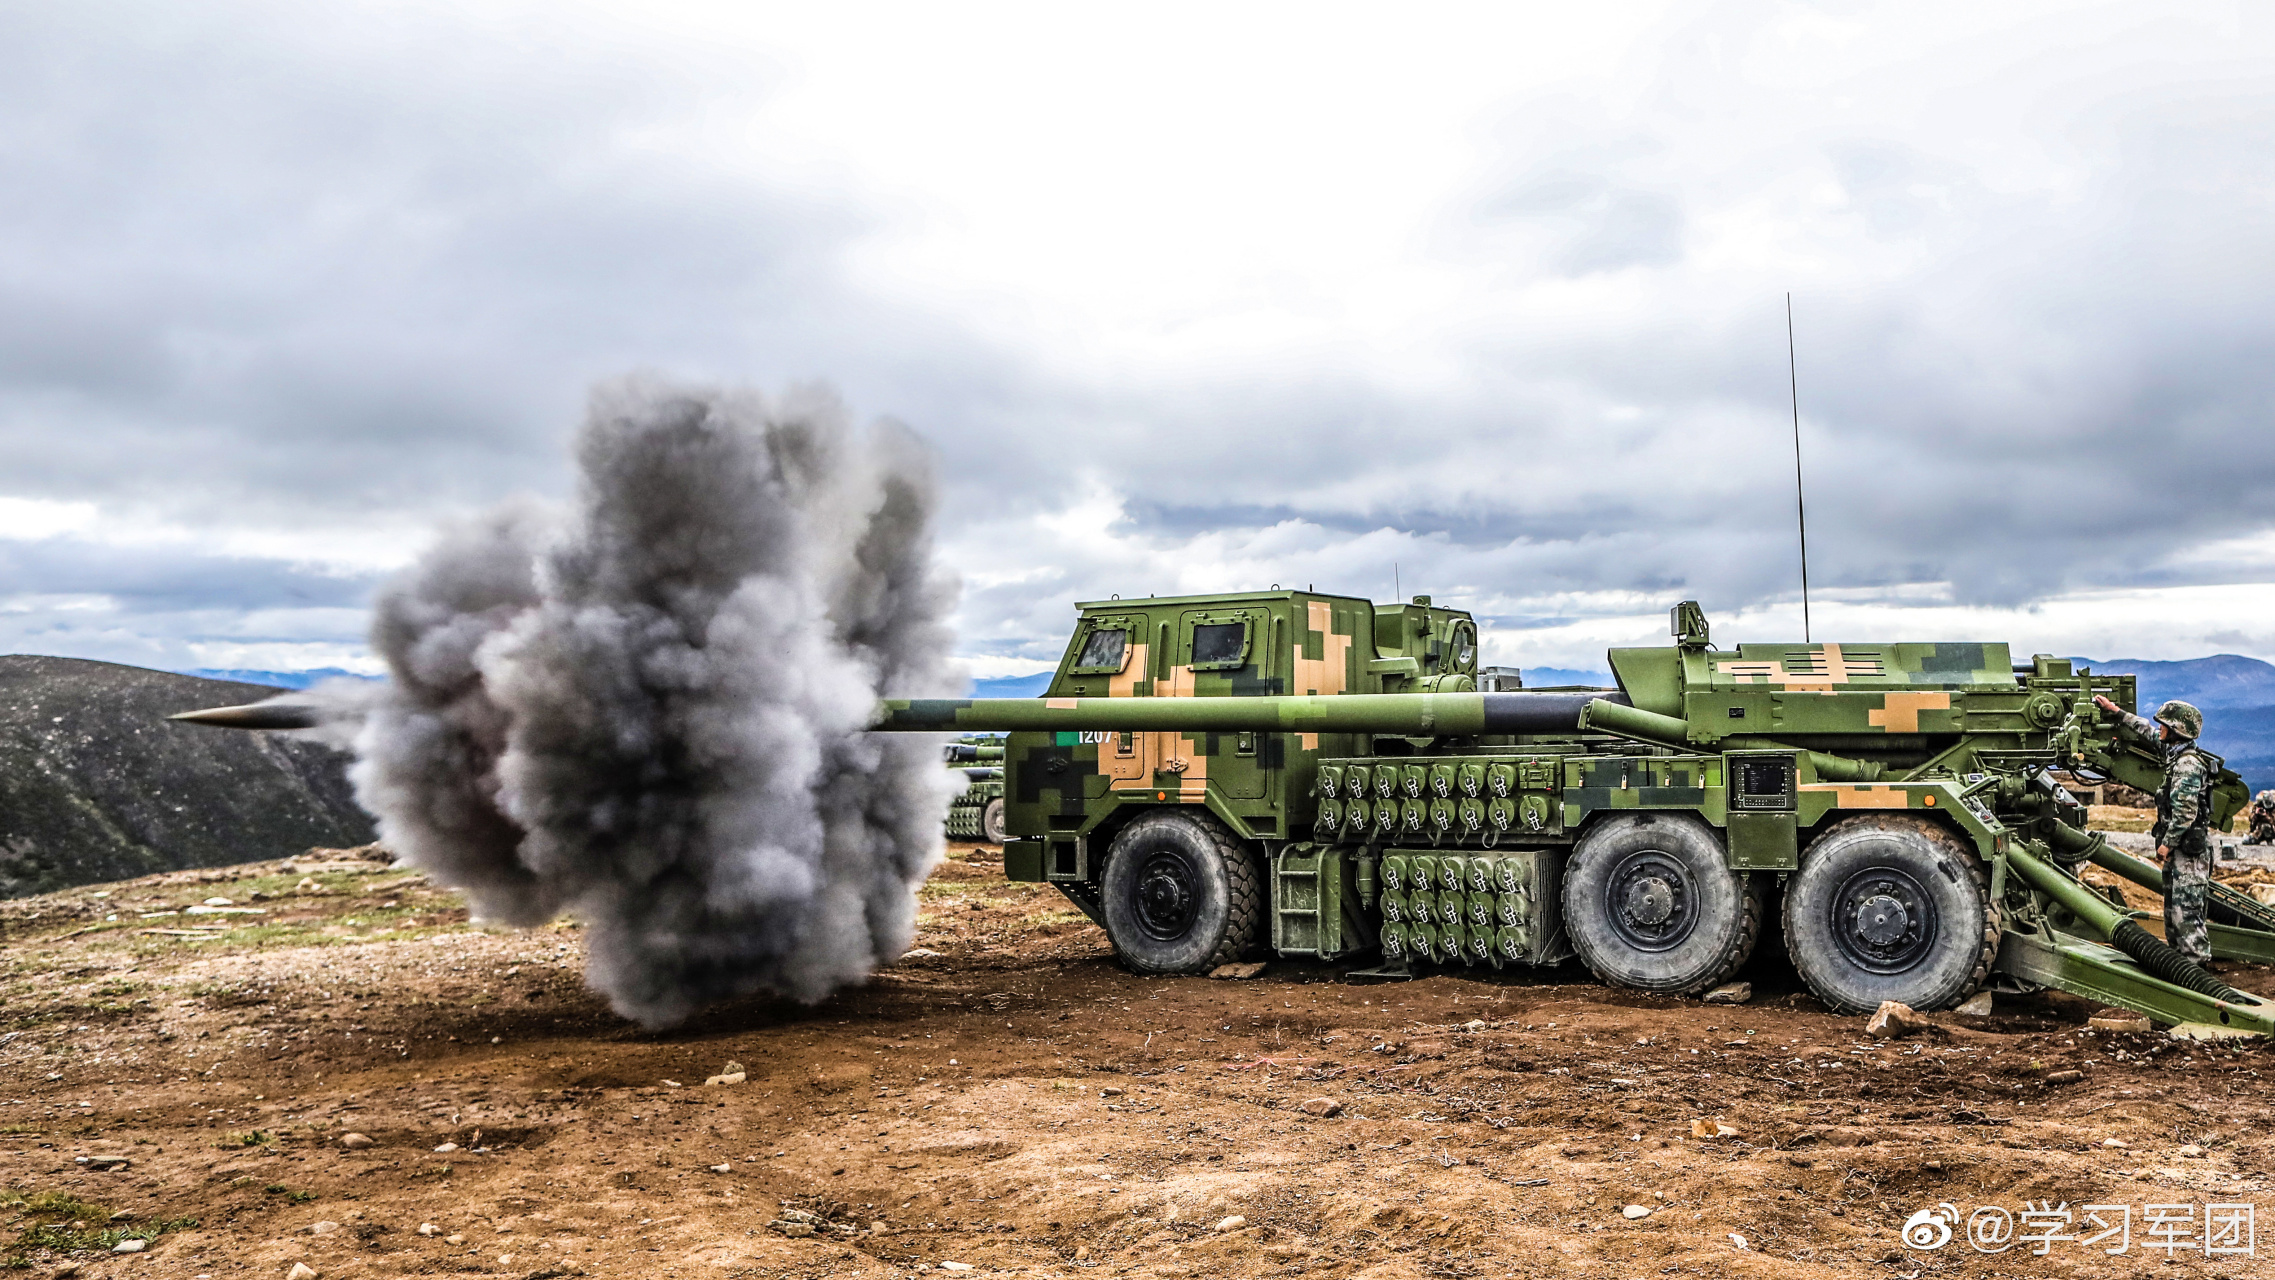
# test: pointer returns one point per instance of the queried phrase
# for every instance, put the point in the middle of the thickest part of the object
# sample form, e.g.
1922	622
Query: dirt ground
1017	1104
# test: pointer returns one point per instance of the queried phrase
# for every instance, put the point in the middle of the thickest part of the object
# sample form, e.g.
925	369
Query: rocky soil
359	1082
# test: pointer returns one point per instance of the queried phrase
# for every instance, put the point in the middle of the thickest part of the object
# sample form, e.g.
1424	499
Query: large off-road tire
991	821
1890	907
1650	902
1181	893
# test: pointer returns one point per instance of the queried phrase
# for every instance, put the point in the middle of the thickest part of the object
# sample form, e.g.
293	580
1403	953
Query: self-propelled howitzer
1321	777
1347	789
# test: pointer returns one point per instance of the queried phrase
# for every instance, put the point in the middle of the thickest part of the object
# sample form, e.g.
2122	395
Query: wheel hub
1654	904
1883	920
1168	896
1650	901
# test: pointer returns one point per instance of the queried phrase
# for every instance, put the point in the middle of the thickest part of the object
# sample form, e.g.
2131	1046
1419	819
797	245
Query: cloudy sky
1487	301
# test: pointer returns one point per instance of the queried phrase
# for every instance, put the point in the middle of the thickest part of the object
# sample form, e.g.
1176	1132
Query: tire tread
1753	896
1993	926
1246	894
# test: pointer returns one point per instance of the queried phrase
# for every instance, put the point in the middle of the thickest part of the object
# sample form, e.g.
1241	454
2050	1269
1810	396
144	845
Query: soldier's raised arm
2141	726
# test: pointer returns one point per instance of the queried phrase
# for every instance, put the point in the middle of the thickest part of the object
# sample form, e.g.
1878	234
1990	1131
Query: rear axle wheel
1890	907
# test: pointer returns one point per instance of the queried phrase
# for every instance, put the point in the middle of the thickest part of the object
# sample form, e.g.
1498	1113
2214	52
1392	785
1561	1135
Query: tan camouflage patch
1861	795
1123	684
1062	704
1151	753
1326	673
1902	710
1815	668
1193	779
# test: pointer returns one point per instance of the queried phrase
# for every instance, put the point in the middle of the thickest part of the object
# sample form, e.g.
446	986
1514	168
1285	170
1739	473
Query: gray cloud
265	267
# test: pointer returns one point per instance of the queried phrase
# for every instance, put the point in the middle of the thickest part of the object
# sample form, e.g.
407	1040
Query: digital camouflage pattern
2185	720
2187	883
2183	802
2183	827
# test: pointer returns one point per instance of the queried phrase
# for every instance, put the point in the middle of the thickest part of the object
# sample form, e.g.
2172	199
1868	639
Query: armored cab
1070	791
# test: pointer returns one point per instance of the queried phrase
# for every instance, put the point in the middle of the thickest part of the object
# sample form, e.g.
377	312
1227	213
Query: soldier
2261	820
2184	820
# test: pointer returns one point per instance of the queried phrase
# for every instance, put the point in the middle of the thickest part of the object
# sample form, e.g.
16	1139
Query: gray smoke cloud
648	709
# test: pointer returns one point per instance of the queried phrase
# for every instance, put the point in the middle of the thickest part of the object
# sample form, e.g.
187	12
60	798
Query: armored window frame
1090	636
1238	658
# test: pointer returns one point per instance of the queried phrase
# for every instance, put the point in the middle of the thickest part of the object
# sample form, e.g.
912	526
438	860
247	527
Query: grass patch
1054	917
296	1197
12	1130
63	1223
245	1138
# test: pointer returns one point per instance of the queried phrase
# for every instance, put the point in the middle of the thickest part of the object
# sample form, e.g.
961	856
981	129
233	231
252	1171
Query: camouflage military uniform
2183	827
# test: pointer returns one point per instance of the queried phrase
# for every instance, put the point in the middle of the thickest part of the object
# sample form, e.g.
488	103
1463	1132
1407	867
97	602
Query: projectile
273	714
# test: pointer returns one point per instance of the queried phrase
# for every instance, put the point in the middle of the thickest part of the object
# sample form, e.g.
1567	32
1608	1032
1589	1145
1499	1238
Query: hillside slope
96	785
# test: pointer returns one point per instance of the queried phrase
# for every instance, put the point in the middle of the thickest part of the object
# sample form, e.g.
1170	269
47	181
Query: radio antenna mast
1800	503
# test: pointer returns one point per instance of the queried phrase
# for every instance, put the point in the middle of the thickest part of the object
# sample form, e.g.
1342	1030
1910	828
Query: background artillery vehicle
977	813
1318	776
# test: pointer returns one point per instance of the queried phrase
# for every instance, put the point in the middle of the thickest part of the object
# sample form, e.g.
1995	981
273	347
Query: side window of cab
1219	641
1105	648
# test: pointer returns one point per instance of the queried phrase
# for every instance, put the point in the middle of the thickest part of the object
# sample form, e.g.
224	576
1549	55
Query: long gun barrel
1415	715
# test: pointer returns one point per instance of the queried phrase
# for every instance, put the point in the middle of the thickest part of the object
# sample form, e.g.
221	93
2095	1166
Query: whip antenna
1800	504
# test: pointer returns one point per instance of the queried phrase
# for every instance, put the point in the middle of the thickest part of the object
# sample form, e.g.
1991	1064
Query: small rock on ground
1895	1018
1711	1129
130	1246
1978	1005
1237	971
1322	1107
1233	1223
1635	1211
1731	993
301	1271
357	1141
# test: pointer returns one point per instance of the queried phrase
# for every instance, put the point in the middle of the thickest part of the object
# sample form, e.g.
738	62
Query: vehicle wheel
1651	903
1181	894
991	821
1890	908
